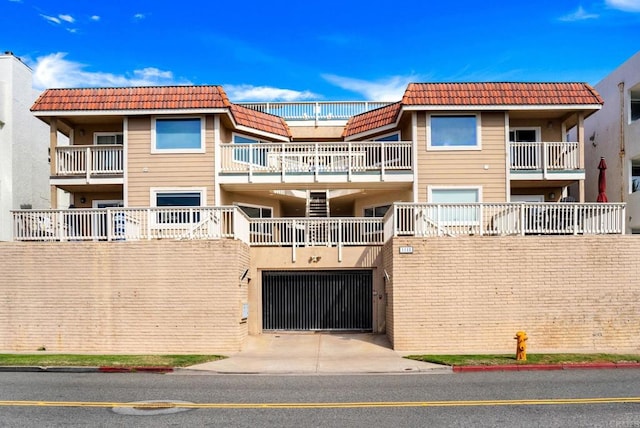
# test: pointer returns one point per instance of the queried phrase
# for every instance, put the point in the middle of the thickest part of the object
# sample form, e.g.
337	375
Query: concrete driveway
315	353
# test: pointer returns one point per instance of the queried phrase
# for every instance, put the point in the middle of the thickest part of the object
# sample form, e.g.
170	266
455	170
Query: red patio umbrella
602	182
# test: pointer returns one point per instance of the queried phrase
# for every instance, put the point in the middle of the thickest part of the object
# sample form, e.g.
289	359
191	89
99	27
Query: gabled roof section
261	121
372	119
132	98
499	94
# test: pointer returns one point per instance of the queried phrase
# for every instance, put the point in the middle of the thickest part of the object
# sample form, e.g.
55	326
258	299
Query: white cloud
67	18
139	16
51	19
625	5
578	15
54	71
238	93
390	89
95	18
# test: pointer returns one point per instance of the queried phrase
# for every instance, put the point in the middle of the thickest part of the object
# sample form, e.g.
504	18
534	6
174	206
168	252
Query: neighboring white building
24	143
614	133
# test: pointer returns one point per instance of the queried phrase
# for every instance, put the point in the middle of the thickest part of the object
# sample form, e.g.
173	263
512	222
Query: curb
81	369
544	367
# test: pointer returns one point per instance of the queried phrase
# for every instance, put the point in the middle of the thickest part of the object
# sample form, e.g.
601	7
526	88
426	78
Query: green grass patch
48	360
497	360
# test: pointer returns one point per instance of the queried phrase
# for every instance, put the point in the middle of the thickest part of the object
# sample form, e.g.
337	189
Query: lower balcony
99	164
404	219
556	218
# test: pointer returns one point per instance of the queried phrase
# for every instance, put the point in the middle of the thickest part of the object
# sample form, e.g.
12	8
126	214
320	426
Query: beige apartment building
309	216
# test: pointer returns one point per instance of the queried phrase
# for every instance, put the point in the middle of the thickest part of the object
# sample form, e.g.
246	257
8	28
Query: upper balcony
344	162
316	111
545	161
80	165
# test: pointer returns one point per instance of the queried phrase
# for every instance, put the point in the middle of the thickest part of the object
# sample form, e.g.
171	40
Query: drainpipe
621	153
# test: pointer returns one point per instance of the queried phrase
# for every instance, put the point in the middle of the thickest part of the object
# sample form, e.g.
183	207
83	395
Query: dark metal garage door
317	300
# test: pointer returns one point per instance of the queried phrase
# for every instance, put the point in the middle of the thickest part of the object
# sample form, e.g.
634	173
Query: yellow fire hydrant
521	350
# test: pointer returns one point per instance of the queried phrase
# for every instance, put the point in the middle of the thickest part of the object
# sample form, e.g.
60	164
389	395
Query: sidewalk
315	353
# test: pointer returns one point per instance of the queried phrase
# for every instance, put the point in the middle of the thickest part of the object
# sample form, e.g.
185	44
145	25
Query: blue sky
317	50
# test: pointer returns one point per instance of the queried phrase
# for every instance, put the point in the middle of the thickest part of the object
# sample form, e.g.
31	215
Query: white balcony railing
89	160
117	224
505	219
322	110
544	156
318	158
421	220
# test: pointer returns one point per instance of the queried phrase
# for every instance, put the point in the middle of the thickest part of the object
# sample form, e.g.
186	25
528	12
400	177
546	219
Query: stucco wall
605	130
472	294
149	296
24	169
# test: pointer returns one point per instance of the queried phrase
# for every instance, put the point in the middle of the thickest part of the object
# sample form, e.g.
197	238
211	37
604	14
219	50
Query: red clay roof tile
501	93
133	98
373	119
258	120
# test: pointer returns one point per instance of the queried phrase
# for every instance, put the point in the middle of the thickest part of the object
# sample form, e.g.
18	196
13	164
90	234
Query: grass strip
496	360
83	360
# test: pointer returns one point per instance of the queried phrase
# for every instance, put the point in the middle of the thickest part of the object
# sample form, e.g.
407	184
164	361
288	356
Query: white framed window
459	204
259	232
376	211
634	103
255	211
107	138
395	136
634	182
524	148
524	134
453	132
178	134
176	202
246	154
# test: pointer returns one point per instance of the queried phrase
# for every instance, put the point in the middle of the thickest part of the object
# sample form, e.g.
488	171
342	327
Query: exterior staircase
317	207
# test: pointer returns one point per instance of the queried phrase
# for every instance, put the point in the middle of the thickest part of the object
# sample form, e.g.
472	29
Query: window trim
631	166
107	134
238	159
153	196
154	191
366	207
261	207
462	222
431	188
536	129
635	89
478	145
201	149
379	137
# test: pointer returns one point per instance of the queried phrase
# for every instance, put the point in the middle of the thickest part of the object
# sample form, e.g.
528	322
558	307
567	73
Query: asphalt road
577	398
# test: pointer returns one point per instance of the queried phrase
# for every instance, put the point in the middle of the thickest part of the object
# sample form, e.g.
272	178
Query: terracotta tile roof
258	120
373	119
133	98
488	94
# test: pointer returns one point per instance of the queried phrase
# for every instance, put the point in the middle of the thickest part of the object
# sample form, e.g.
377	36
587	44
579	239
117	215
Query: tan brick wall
148	296
472	294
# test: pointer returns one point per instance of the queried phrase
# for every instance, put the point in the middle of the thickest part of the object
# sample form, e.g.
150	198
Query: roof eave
136	112
262	133
499	107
